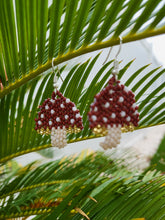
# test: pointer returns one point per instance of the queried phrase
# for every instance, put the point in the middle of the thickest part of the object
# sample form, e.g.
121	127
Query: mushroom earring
114	110
57	117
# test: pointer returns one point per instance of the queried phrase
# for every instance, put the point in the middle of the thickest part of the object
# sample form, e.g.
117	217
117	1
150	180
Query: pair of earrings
114	110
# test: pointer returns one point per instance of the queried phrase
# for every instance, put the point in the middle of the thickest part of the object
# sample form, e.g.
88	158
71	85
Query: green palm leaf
32	33
62	21
66	190
21	119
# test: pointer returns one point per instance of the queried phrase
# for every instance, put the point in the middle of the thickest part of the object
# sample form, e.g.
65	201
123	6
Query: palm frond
20	120
64	187
67	29
158	160
93	186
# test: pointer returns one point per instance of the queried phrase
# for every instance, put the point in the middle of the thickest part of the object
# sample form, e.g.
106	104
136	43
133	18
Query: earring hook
55	77
119	47
55	85
107	56
117	54
115	70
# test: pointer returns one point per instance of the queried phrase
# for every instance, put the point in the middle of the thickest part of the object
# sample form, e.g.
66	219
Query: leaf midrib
76	53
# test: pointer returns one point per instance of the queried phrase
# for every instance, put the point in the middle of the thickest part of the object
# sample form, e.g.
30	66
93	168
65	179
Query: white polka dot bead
94	117
66	117
57	119
122	113
107	104
126	89
52	111
111	91
72	121
77	115
121	99
62	105
105	119
74	108
50	123
128	118
113	115
42	115
67	100
40	122
136	112
134	105
95	109
46	107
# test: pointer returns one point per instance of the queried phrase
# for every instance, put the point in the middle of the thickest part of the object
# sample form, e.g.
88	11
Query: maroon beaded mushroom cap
58	112
58	116
113	108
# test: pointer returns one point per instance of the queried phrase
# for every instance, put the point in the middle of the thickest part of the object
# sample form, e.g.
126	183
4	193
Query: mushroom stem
112	139
58	137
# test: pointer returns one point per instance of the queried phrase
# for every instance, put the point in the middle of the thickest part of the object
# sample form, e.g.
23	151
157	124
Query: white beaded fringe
112	139
58	137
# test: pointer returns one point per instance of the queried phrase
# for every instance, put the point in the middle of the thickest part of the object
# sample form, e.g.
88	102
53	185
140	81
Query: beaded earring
114	110
57	117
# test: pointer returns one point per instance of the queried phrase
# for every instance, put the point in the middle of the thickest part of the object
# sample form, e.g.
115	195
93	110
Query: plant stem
83	50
